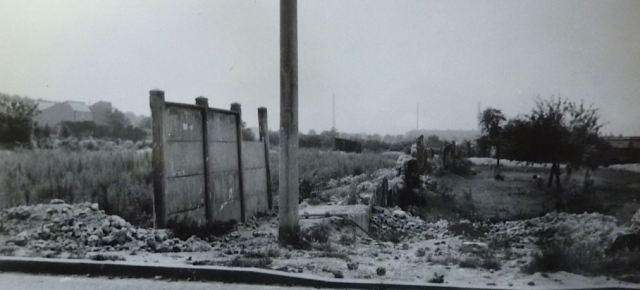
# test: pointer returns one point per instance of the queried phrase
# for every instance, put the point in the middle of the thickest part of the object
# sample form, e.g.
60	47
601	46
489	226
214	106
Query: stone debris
337	274
593	228
387	222
61	227
588	228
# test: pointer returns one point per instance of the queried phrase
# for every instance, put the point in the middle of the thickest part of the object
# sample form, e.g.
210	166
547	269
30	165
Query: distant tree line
18	127
370	143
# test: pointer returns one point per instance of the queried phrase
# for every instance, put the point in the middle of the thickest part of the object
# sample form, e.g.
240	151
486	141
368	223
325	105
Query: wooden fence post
264	138
204	103
156	100
236	107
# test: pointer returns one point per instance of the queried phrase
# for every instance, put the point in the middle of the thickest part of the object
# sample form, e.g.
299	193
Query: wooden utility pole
289	230
334	112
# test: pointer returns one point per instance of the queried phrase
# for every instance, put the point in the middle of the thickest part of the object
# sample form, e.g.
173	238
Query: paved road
42	282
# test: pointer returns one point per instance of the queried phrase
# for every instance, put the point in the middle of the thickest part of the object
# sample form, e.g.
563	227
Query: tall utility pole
417	114
334	112
288	228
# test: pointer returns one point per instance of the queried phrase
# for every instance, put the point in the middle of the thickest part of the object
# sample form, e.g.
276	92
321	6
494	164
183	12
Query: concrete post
204	103
264	138
236	107
288	232
156	100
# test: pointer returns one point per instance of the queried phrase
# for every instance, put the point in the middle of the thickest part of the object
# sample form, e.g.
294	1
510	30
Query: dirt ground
619	191
430	249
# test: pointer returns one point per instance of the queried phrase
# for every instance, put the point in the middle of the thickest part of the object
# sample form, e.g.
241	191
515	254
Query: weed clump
106	257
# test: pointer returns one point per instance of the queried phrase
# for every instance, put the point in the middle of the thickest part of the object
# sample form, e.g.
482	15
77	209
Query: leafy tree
491	121
116	122
557	131
247	134
274	138
145	123
328	138
16	120
433	141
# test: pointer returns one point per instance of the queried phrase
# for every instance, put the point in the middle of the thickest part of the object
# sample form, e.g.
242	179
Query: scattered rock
20	239
473	248
381	271
399	214
56	201
352	266
531	283
95	207
337	274
437	278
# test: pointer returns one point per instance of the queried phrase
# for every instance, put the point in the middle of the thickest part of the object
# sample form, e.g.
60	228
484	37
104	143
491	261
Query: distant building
101	111
42	105
68	111
624	150
346	145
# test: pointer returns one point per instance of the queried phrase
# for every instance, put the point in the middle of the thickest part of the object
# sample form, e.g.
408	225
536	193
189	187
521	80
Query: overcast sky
379	58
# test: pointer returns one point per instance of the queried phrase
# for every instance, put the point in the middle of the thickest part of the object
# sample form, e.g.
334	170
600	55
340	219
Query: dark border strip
227	275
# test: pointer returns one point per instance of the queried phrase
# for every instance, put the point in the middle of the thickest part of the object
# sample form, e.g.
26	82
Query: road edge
226	275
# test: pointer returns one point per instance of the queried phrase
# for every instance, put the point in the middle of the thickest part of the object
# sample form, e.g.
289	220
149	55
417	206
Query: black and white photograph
319	144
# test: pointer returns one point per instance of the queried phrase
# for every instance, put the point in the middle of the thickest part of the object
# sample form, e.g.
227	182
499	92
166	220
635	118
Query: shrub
583	258
250	262
106	257
318	233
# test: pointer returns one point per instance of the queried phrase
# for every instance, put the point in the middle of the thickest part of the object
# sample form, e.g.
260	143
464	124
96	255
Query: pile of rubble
593	228
59	227
389	223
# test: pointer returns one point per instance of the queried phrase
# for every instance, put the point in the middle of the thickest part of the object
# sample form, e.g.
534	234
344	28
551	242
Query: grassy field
120	181
615	193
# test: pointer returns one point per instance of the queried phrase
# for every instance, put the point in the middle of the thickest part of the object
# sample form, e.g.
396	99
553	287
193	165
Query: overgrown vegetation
317	167
120	181
16	121
106	257
238	261
583	258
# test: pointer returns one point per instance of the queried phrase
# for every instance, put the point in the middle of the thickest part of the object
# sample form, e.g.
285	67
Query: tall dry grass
318	166
120	181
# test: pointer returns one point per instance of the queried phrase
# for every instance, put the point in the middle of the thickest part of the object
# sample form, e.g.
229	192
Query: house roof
100	103
41	105
78	106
